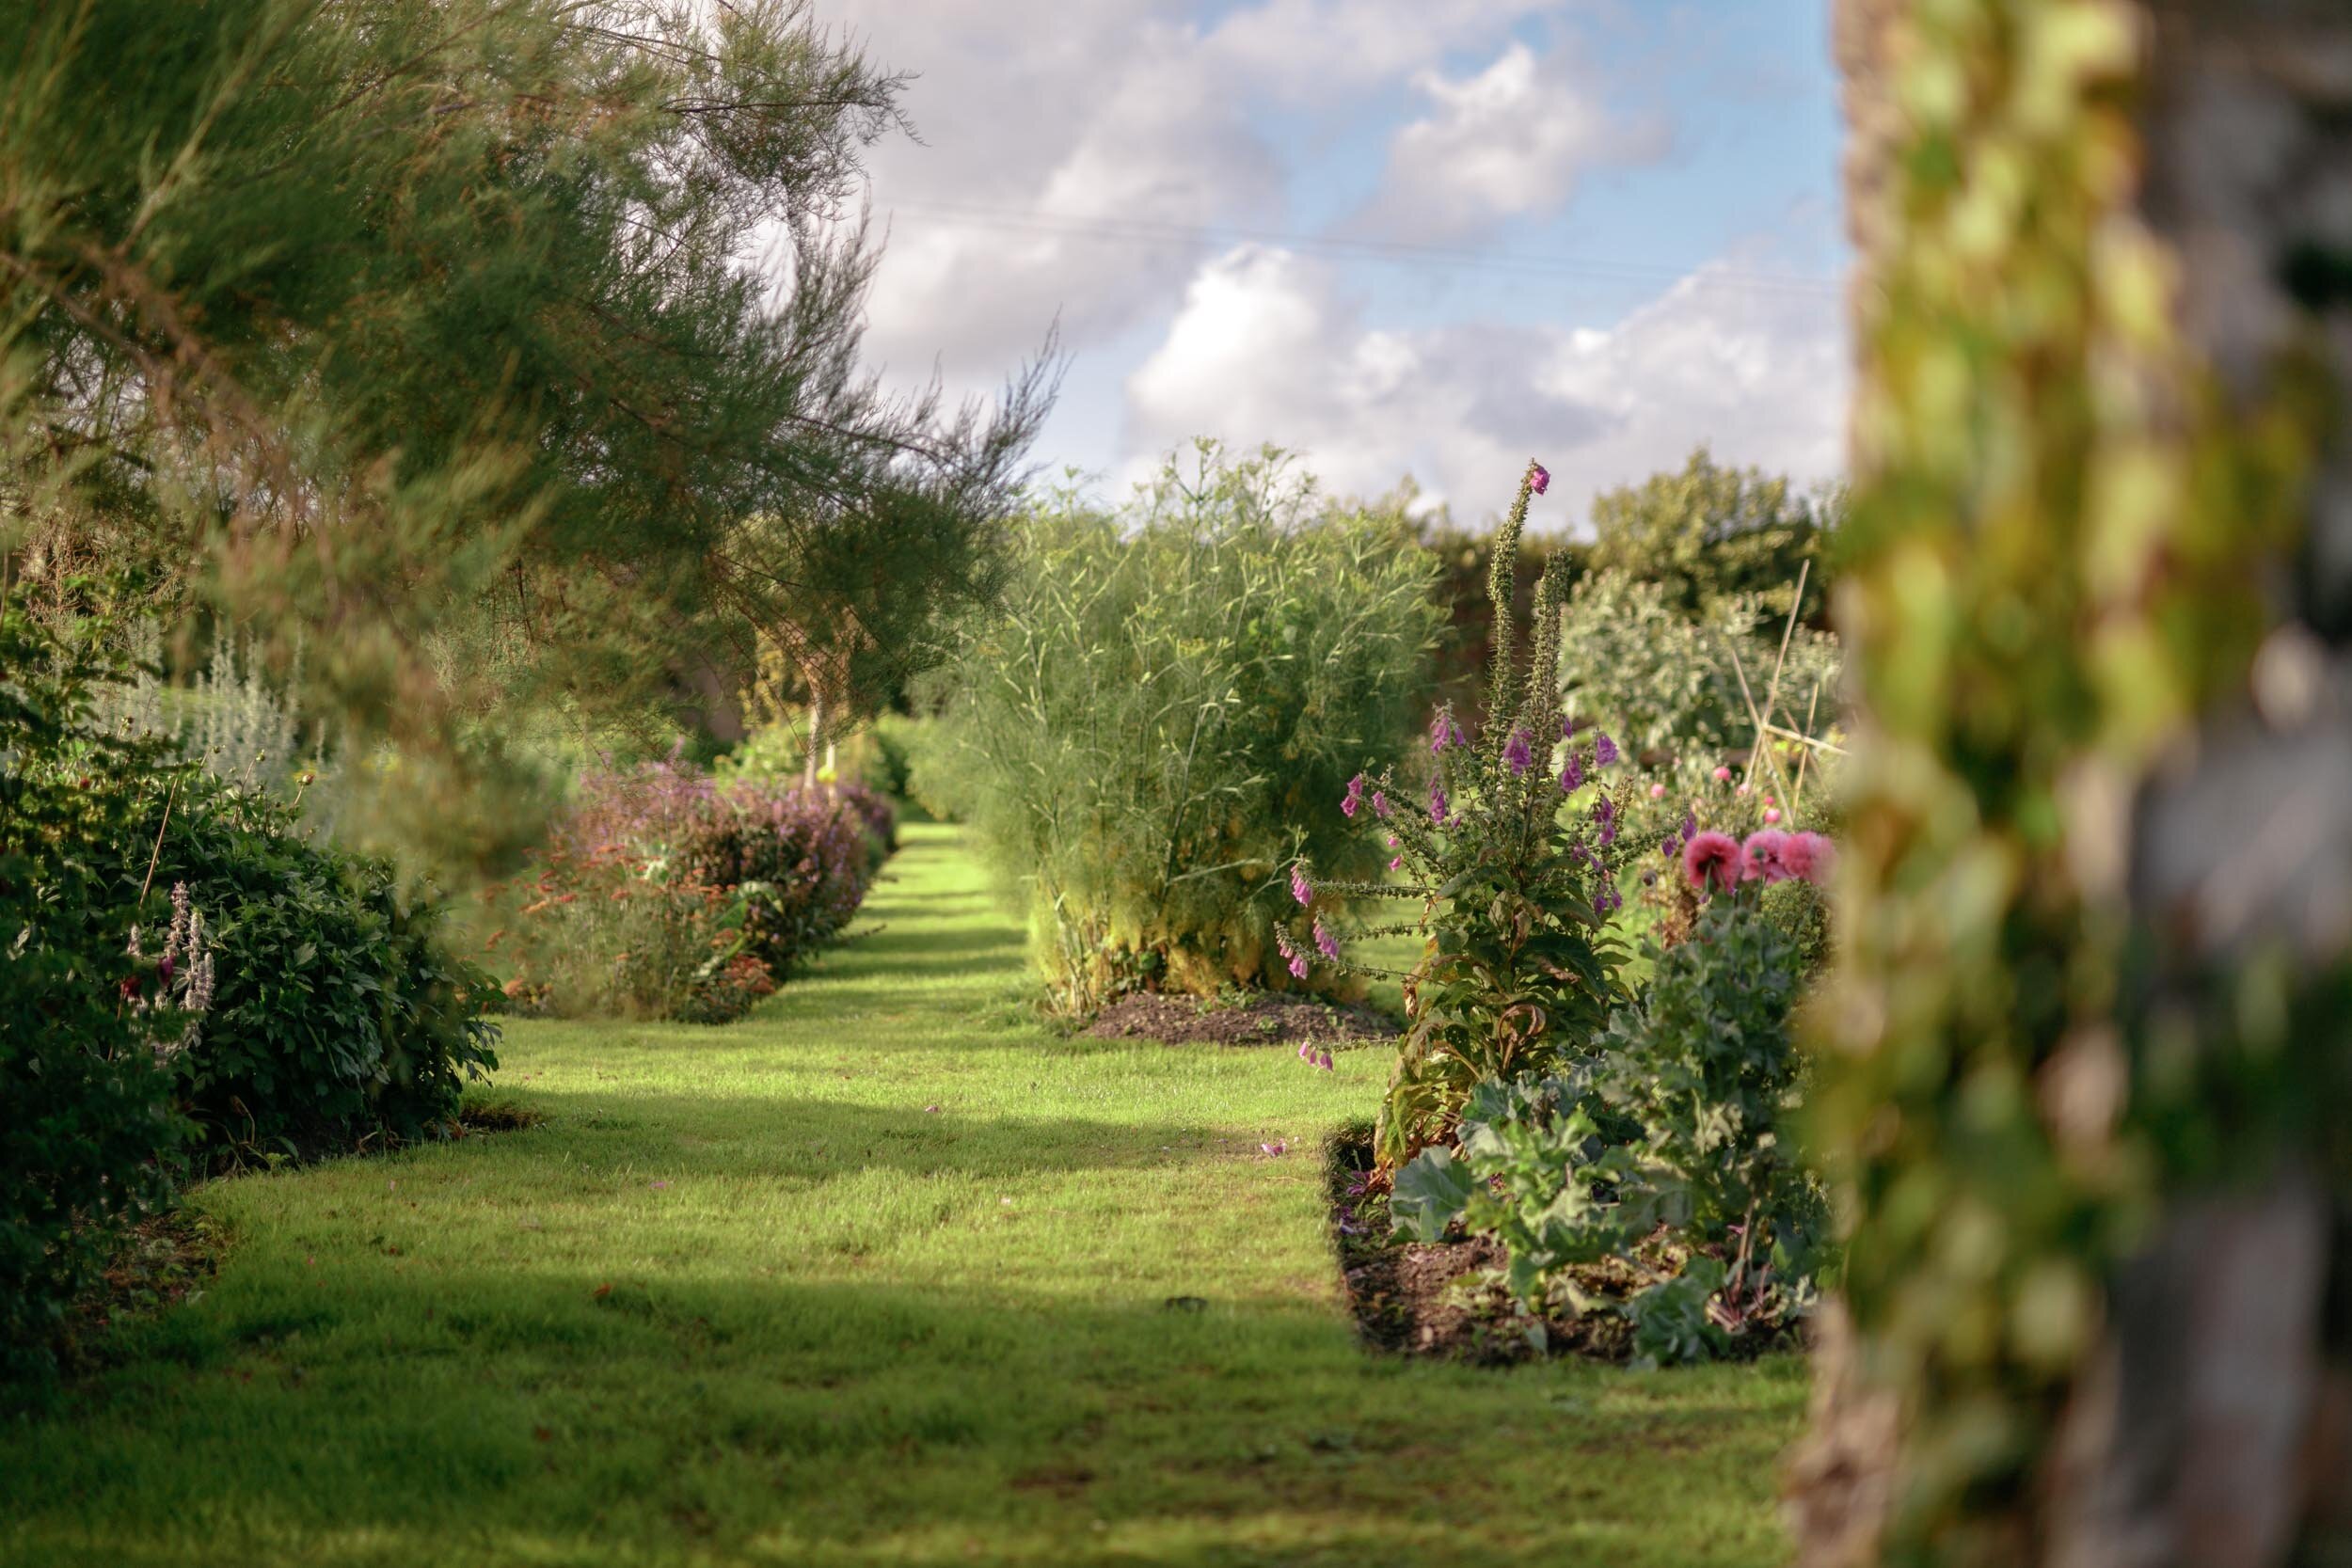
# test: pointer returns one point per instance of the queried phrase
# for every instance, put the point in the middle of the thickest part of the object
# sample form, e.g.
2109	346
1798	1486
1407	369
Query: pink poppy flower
1765	851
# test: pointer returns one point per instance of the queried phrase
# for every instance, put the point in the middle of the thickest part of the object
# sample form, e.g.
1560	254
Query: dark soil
1268	1018
497	1116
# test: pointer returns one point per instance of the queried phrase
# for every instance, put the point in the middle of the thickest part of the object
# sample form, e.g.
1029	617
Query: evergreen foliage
441	328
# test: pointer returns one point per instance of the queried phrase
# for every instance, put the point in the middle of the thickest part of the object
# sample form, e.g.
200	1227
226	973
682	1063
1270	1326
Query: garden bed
1263	1018
1429	1298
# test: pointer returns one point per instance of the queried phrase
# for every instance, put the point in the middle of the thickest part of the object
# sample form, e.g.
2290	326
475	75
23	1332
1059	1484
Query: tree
1708	532
442	327
2086	1065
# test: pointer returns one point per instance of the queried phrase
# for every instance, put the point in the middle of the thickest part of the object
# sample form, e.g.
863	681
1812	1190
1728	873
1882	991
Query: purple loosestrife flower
1516	754
1572	775
1604	749
1301	889
1440	809
1326	941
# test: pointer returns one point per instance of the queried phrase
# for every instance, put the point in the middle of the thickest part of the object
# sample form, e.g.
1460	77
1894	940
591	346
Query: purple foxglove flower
1323	1060
1388	841
1397	864
1438	728
1326	941
1572	775
1538	478
1604	749
1354	796
1298	966
1516	754
1440	808
1301	889
1304	1051
1690	827
1379	804
1667	848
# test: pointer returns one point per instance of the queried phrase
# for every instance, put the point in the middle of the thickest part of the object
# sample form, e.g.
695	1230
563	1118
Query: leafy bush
664	894
1514	861
1138	739
340	1015
1662	1147
1660	675
91	1129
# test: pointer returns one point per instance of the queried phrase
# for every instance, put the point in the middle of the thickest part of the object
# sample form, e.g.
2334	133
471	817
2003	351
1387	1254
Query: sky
1431	238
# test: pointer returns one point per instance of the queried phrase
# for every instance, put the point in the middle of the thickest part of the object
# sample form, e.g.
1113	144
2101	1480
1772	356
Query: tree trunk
2207	1420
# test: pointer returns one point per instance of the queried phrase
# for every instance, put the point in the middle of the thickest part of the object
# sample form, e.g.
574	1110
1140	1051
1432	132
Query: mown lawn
748	1298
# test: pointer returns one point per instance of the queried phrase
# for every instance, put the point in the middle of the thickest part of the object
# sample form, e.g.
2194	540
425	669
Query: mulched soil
1268	1018
163	1261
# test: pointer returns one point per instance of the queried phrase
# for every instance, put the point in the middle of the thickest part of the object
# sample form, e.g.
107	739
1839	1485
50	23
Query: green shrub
91	1128
1153	729
341	1016
1661	676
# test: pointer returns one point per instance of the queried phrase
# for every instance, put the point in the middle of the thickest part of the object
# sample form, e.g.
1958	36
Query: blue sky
1435	236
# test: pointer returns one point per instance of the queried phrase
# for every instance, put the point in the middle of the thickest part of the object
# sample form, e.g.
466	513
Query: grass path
748	1299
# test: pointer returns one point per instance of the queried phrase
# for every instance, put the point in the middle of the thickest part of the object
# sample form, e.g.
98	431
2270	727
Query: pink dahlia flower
1714	860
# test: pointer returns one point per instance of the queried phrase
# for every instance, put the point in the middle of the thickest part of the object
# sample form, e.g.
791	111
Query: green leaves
1430	1193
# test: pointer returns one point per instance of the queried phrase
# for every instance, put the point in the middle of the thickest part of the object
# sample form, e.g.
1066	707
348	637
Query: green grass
744	1299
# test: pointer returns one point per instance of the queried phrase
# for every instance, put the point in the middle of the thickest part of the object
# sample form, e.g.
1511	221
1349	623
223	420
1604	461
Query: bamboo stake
1806	760
1748	697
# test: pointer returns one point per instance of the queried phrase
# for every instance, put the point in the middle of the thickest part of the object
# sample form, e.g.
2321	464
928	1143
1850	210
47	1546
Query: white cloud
1509	140
1266	347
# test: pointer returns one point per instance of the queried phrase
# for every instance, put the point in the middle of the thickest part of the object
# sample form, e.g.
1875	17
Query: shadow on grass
812	1140
554	1411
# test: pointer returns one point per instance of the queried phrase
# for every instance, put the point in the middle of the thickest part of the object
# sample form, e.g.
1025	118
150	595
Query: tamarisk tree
510	346
2086	1065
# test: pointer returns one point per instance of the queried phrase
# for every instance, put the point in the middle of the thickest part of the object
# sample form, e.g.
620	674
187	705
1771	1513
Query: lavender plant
1510	842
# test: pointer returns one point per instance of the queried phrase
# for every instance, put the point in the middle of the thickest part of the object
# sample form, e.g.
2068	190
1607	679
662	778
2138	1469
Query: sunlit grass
748	1297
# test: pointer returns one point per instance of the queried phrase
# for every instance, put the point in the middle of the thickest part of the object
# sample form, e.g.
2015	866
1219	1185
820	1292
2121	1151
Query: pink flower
1766	849
1323	1060
1771	813
1808	857
1742	790
1538	478
1397	864
1324	939
1604	749
1572	775
1657	792
1379	804
1722	775
1355	797
1301	889
1714	860
1440	808
1298	966
1516	754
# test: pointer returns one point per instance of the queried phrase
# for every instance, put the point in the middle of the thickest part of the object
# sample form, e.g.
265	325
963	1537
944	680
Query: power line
1403	253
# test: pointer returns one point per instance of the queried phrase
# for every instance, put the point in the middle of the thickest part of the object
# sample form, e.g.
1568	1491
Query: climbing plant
2056	558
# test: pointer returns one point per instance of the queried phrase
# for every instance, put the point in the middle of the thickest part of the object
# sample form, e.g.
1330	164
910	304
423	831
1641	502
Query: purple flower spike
1440	808
1330	943
1301	889
1439	728
1572	775
1538	478
1690	827
1667	848
1604	749
1516	754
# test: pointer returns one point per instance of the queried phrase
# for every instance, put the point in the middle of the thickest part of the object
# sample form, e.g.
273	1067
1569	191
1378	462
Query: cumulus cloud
1268	346
1506	141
